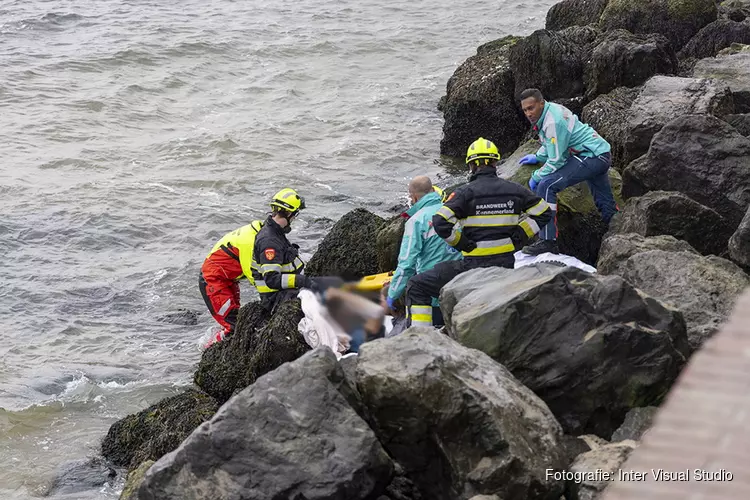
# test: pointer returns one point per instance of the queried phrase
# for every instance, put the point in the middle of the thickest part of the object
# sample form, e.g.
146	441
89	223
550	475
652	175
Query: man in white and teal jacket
421	247
571	152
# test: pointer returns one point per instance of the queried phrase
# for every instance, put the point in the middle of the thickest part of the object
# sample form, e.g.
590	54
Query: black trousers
424	286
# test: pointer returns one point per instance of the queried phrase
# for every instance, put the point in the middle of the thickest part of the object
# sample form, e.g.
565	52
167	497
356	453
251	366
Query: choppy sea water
135	133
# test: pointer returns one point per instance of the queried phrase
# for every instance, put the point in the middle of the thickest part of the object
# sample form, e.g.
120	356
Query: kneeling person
421	247
498	217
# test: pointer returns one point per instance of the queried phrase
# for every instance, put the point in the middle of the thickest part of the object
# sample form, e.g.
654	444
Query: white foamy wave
84	390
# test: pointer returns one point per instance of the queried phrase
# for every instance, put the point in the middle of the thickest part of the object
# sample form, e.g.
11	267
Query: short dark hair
535	93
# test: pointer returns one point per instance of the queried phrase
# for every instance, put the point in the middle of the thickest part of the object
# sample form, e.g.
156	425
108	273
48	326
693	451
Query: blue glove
528	160
389	301
533	184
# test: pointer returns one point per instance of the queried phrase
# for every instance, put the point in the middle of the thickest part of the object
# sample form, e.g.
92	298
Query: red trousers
222	296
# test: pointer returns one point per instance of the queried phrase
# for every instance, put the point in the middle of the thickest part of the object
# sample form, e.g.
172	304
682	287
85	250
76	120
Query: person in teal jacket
571	152
421	248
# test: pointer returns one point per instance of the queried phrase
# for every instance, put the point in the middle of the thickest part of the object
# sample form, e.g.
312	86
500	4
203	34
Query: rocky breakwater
539	361
592	347
544	363
418	417
260	344
666	83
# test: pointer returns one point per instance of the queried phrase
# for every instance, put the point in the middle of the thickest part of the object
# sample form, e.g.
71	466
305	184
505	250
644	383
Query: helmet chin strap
288	218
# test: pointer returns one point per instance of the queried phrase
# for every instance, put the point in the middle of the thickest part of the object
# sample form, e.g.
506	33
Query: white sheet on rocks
526	260
318	328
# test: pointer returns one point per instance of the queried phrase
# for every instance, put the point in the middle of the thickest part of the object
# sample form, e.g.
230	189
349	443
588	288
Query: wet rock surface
732	70
678	20
574	13
590	346
608	114
157	430
675	214
713	38
459	423
293	434
700	156
622	59
347	250
651	110
479	102
260	344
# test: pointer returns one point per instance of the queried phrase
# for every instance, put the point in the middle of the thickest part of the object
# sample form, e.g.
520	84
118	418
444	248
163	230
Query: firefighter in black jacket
497	217
276	265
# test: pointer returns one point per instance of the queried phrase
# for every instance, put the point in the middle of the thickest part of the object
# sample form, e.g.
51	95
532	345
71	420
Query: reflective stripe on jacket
276	262
498	215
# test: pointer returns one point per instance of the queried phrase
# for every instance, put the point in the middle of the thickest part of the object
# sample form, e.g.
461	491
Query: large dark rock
608	114
592	347
622	59
662	99
574	13
388	243
157	430
181	317
716	36
292	435
348	250
258	345
79	476
608	458
734	71
550	62
637	422
585	37
739	243
579	223
480	103
678	20
734	10
459	423
673	213
618	248
703	288
741	122
401	487
700	156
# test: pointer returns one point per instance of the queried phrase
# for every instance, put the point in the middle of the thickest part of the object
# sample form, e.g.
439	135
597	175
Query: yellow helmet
288	199
440	193
482	149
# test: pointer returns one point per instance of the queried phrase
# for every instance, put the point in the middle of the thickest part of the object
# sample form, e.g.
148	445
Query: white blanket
525	260
318	328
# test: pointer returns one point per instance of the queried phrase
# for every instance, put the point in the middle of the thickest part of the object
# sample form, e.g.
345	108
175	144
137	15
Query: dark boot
540	247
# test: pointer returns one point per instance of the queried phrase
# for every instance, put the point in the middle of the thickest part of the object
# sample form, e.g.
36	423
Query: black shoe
540	247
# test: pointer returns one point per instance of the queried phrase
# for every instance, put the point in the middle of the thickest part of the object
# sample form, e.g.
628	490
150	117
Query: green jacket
563	135
421	247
